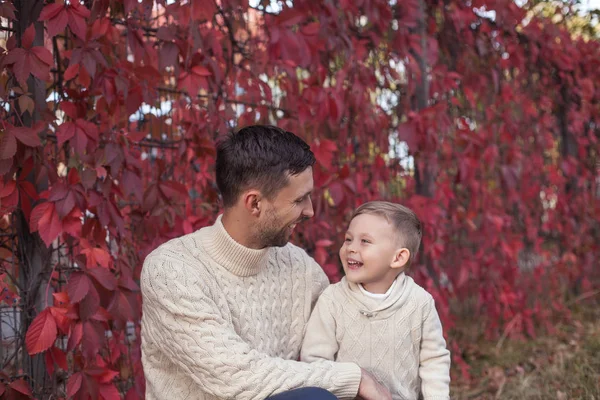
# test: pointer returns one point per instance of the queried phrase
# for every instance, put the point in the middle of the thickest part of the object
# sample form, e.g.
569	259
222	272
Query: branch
263	10
228	101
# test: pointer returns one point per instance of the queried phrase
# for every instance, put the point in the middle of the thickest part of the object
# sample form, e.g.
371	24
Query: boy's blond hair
403	219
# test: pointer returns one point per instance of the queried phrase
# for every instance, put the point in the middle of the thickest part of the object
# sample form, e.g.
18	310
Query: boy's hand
370	389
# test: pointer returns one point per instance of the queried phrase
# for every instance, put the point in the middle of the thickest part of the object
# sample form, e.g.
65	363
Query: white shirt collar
379	296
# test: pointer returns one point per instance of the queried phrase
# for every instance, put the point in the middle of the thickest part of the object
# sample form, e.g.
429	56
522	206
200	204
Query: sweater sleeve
434	368
320	341
184	321
319	281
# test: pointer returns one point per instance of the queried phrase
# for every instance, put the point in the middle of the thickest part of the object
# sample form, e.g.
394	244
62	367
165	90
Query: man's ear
401	257
252	200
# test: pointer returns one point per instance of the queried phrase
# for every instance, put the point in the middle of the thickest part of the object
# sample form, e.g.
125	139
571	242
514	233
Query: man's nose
308	211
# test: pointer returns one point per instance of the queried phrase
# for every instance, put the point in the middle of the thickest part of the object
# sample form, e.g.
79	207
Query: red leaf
169	54
28	37
59	15
65	132
41	333
56	15
121	307
89	305
64	206
75	336
55	356
78	286
132	394
407	133
95	256
72	223
202	11
22	387
27	136
150	197
7	188
62	321
58	192
201	70
69	108
77	15
173	190
104	277
109	392
71	72
44	56
107	376
74	384
324	152
8	145
60	358
36	61
93	337
7	10
61	299
49	363
45	221
21	68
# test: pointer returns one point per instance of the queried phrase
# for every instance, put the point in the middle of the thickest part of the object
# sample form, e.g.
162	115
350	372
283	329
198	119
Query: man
225	307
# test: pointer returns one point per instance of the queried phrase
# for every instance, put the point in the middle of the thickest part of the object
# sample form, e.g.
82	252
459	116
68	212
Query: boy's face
370	248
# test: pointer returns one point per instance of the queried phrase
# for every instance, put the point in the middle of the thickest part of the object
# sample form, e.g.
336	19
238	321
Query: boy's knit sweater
222	321
399	340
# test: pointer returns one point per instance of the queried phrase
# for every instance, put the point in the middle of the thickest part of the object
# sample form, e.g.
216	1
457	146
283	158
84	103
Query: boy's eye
347	240
366	241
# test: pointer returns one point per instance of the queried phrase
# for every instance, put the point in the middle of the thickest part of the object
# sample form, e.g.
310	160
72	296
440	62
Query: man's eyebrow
305	194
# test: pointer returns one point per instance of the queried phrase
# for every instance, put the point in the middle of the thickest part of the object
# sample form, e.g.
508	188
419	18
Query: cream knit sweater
399	340
222	321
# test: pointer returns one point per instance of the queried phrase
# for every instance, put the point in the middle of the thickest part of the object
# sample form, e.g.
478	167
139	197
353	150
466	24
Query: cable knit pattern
222	321
399	340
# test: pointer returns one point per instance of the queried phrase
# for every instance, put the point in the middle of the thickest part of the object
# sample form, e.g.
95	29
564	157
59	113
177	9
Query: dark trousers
309	393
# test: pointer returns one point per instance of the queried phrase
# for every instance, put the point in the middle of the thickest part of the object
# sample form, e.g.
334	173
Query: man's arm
434	358
186	324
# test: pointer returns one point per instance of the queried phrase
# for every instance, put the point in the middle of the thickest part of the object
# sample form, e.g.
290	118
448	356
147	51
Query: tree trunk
33	253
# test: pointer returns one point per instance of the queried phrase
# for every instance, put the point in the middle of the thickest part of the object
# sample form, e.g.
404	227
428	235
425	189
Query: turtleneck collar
225	251
371	307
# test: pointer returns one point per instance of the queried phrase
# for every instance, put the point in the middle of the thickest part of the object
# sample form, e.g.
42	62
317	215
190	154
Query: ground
564	365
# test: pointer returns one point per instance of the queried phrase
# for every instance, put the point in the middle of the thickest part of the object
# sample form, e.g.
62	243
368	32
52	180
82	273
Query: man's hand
370	389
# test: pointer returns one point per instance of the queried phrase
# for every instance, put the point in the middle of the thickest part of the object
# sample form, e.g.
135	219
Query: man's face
290	206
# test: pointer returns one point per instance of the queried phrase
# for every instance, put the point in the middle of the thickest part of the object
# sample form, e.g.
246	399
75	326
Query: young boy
377	317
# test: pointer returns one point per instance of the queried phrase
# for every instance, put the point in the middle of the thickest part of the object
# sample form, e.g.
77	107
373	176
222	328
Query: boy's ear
252	202
401	257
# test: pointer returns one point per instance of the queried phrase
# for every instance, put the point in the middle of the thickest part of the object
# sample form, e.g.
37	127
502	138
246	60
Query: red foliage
487	127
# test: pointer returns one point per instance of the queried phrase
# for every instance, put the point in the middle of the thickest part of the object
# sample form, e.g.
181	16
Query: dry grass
563	366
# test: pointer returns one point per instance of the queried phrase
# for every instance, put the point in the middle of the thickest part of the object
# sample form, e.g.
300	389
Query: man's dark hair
261	157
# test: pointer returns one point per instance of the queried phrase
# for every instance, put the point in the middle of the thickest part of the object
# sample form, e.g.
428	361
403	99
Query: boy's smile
353	264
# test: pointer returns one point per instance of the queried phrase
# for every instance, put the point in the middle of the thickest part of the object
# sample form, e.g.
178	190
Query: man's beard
271	234
272	237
